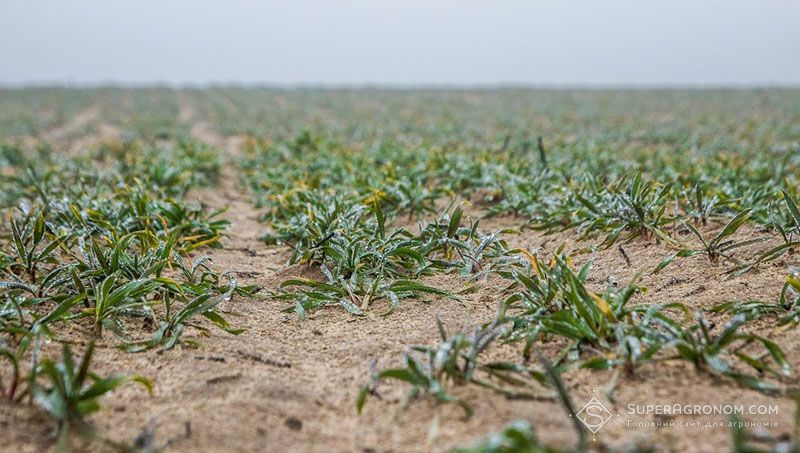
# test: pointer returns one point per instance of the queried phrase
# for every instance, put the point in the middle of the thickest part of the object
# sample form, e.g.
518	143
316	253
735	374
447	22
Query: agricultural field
239	269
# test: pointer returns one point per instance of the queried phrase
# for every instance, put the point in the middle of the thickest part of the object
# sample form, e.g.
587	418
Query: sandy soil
290	385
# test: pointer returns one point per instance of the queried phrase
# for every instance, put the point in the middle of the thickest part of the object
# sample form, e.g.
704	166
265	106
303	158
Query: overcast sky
403	42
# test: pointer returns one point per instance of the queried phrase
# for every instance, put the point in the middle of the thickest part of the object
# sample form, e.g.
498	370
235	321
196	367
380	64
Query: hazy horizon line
433	86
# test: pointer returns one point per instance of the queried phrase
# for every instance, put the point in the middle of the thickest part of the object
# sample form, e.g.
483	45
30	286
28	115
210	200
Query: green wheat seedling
69	392
177	317
447	244
367	262
790	229
789	234
554	300
787	308
455	361
33	250
112	299
643	338
137	255
312	295
12	155
790	300
698	206
306	220
520	436
719	353
638	207
78	198
362	266
173	169
742	441
720	246
199	278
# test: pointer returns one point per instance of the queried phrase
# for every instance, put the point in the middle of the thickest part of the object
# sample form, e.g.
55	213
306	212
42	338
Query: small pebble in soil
294	423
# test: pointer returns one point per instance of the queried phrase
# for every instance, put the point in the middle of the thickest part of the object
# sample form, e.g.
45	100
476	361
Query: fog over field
412	42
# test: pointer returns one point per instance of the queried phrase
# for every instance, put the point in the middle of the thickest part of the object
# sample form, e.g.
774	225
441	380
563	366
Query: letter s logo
594	411
594	415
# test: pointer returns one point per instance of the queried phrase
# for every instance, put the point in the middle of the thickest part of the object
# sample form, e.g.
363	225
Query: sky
401	43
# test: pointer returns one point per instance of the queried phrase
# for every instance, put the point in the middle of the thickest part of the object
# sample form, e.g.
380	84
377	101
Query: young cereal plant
743	441
354	294
639	340
448	245
554	300
718	353
69	393
454	361
790	235
638	207
362	267
519	436
698	205
719	246
113	298
787	308
791	228
199	279
411	196
175	320
32	250
790	299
